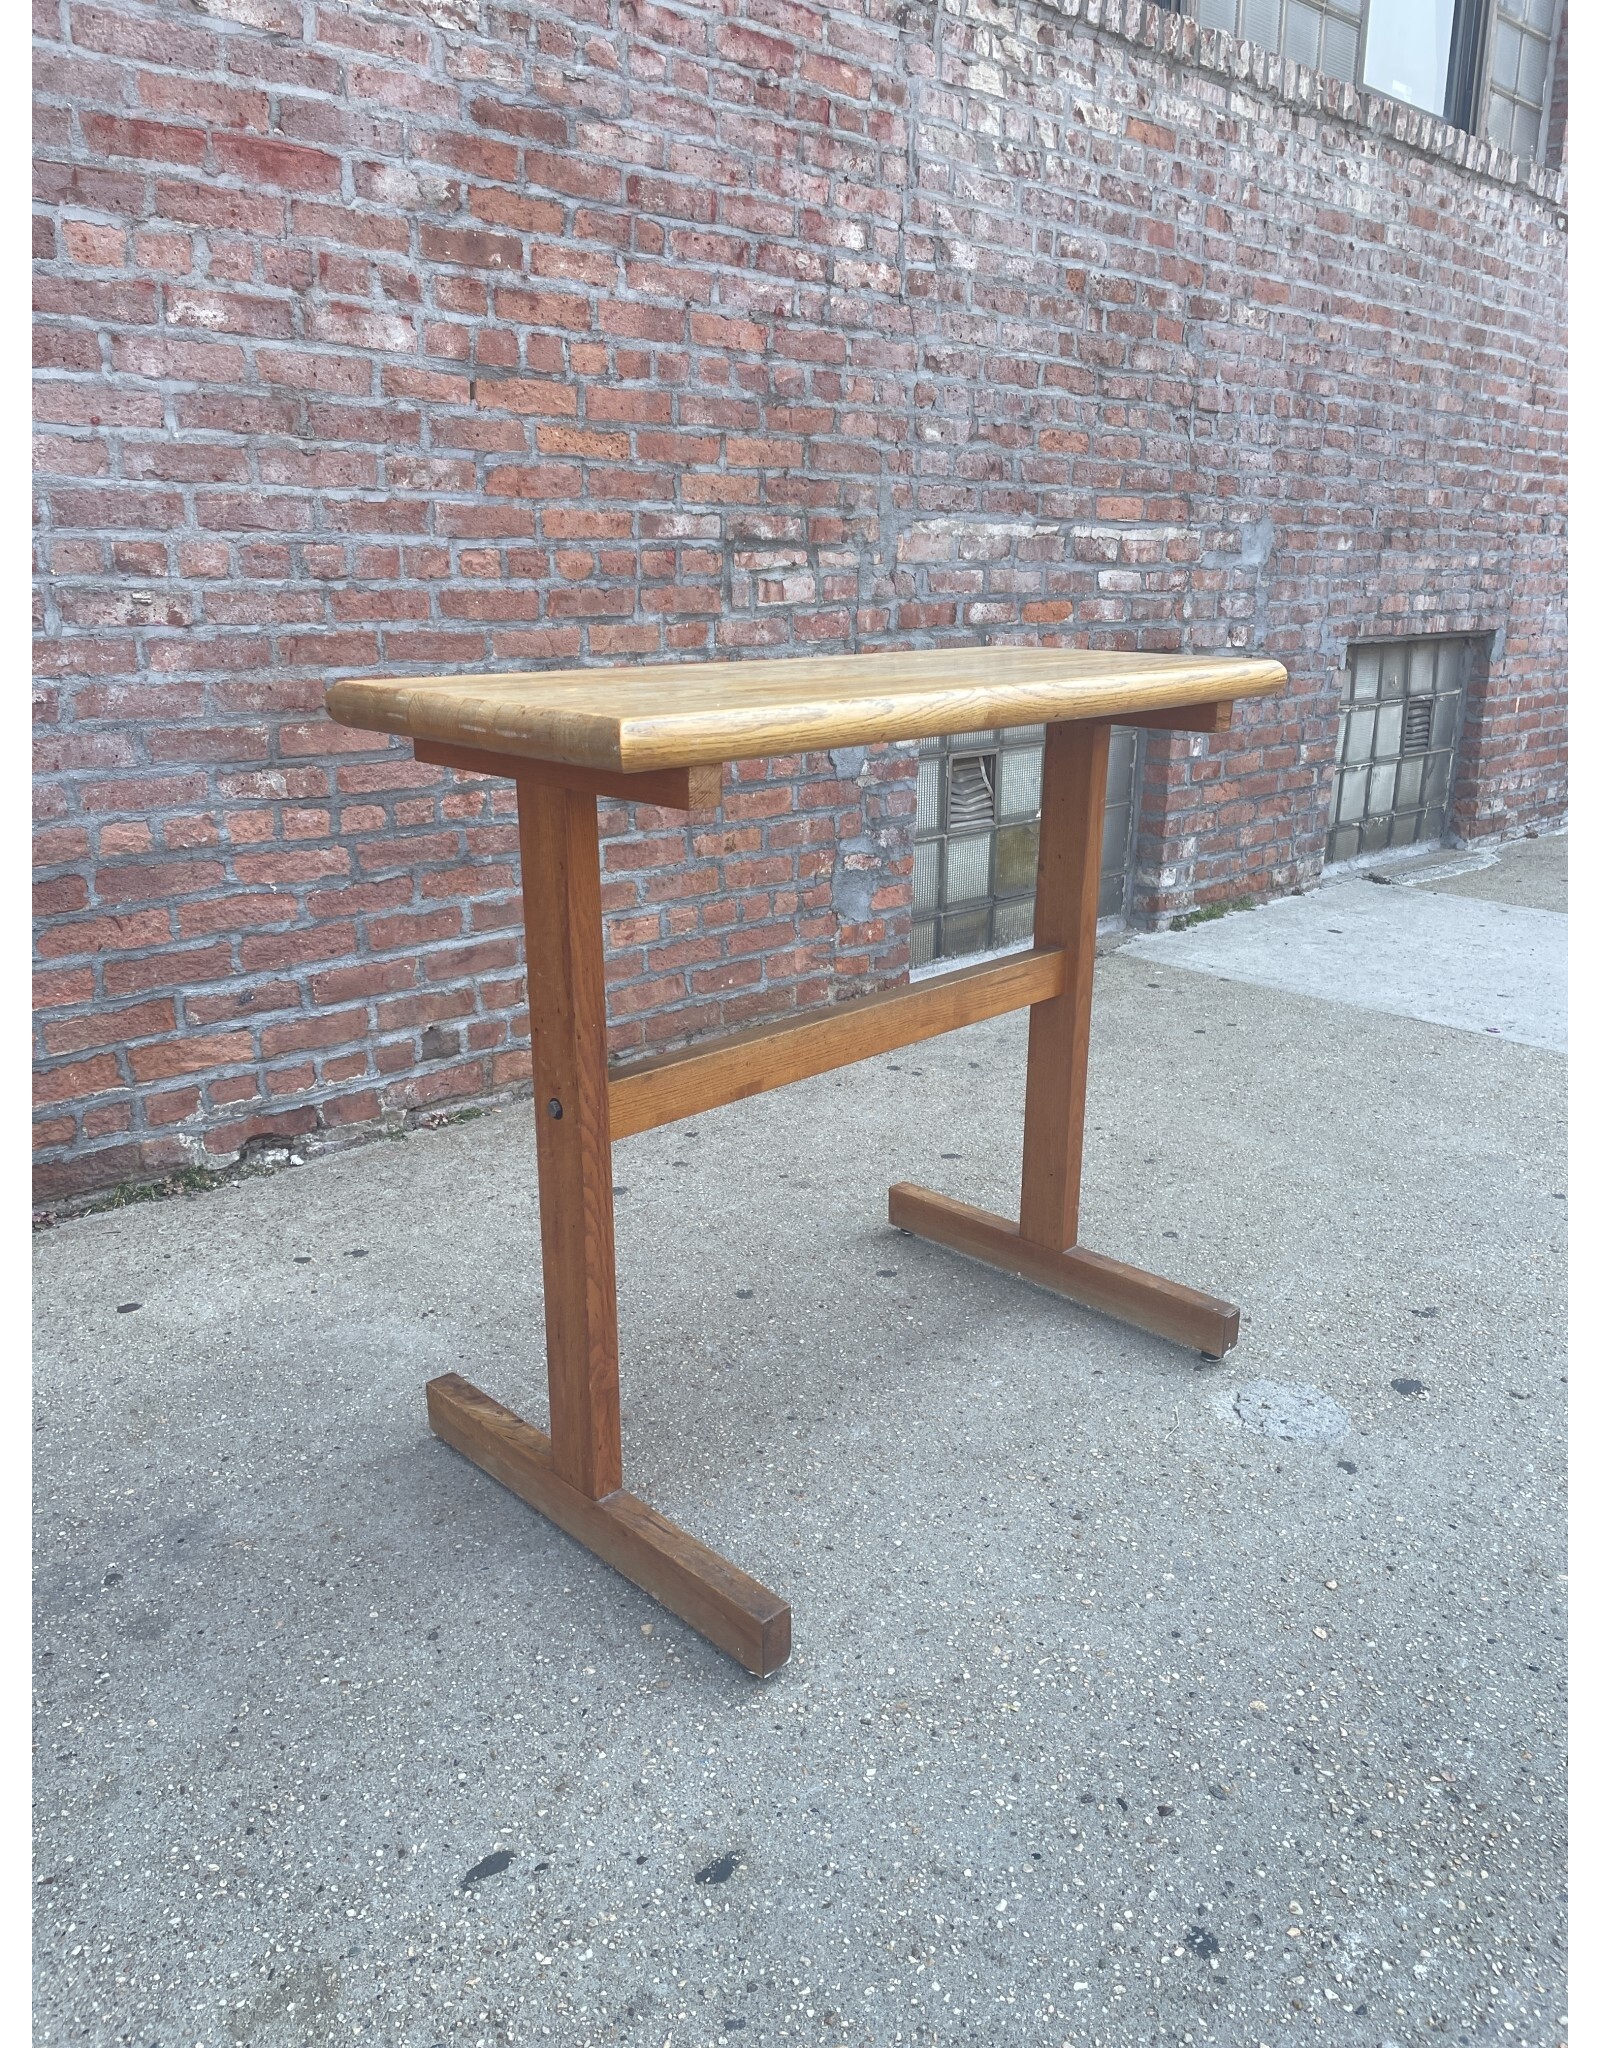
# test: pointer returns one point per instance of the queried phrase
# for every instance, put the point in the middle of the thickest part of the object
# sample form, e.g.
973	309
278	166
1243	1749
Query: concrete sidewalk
1132	1701
1447	939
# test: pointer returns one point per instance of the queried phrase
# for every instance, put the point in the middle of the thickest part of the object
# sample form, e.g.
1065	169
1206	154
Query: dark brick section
441	334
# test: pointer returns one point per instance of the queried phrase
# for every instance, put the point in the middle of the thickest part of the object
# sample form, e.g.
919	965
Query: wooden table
660	735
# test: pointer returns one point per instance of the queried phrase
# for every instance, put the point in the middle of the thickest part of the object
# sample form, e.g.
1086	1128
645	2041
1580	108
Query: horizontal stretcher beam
671	1085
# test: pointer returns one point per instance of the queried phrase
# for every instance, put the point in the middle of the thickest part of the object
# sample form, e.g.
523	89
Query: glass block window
1322	33
1518	66
977	839
1399	725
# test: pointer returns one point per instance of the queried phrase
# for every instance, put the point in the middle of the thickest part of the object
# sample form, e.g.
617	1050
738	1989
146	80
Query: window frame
1489	11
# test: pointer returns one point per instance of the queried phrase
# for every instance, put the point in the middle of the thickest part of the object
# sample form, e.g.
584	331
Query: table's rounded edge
416	708
404	706
671	741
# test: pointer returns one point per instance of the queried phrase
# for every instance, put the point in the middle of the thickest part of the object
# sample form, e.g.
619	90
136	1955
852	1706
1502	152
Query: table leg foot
1199	1321
724	1604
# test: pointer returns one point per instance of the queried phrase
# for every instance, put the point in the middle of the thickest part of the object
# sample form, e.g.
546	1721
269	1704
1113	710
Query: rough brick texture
438	334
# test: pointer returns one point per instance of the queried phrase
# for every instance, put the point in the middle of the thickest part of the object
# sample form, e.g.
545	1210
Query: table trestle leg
1043	1245
724	1604
574	1476
1199	1321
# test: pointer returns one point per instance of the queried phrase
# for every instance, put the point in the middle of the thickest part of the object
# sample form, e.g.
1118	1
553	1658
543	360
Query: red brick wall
437	335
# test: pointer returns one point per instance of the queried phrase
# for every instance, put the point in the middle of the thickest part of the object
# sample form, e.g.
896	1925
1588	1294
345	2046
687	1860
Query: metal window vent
1417	732
971	791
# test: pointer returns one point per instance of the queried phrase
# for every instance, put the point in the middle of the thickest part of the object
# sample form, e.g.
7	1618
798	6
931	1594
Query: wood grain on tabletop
678	715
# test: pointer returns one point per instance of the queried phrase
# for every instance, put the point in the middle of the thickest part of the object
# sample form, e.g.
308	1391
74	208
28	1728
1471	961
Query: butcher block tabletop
686	714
